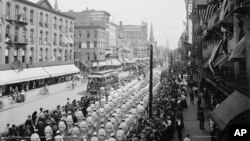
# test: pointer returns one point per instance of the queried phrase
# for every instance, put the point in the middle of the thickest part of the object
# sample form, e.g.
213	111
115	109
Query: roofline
82	26
52	11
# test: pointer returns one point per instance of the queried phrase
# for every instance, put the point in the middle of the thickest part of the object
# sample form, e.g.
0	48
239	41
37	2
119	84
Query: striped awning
206	11
221	60
224	9
214	54
239	50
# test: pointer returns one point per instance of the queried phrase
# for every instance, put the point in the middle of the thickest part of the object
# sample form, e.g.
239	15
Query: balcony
19	20
41	24
60	28
47	24
226	78
16	40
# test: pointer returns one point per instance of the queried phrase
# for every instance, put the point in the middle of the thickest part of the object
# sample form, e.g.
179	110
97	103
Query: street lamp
151	81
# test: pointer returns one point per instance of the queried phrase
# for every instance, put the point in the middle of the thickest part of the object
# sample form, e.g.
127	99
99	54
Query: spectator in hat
94	138
35	136
58	136
102	133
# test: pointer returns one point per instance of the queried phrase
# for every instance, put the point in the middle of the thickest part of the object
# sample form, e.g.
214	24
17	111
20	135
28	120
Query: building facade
135	37
220	61
34	35
90	43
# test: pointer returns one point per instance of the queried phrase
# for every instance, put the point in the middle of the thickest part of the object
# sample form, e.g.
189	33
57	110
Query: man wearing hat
75	132
58	137
109	128
62	128
112	137
102	114
102	133
90	124
120	135
94	138
83	128
79	115
94	116
48	133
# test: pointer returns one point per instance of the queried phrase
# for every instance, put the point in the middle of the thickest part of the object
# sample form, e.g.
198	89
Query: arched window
46	55
66	27
47	38
22	55
7	55
8	10
95	44
95	56
60	40
24	33
55	22
32	36
41	55
41	38
71	27
54	39
66	55
95	34
25	14
61	25
1	54
47	21
16	34
79	34
60	55
31	55
55	55
32	17
41	19
70	55
8	33
17	15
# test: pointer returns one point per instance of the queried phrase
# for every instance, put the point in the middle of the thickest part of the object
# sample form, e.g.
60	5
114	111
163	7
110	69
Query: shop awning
55	71
94	64
102	63
15	76
233	105
239	50
108	62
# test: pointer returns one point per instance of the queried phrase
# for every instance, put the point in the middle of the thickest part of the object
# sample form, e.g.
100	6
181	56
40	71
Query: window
54	39
55	55
55	22
47	21
95	44
41	55
79	34
17	15
8	32
46	55
8	11
95	56
32	36
60	40
32	17
70	55
31	54
41	38
16	34
60	55
24	34
66	55
88	34
22	55
25	14
71	27
41	19
61	25
80	44
66	27
46	38
7	56
88	44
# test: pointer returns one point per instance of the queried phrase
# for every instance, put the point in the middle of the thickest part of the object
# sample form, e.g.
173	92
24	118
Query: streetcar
106	79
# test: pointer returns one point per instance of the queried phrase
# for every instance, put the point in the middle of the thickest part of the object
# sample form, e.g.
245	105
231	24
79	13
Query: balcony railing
10	39
19	19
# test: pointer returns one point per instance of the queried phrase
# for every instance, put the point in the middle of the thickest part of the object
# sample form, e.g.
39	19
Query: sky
167	16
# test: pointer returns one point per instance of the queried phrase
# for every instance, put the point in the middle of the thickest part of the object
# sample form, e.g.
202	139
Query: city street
18	112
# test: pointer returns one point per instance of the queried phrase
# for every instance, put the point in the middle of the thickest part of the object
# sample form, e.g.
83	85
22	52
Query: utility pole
151	82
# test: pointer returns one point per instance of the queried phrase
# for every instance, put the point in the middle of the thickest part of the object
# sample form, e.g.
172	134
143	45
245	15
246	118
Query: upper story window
1	33
47	38
17	15
31	36
66	26
41	38
25	14
41	19
24	33
71	27
32	17
79	34
8	33
8	10
55	22
88	44
47	21
60	40
61	24
54	39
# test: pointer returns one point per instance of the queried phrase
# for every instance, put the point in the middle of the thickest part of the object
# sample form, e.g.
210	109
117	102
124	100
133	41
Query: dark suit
179	128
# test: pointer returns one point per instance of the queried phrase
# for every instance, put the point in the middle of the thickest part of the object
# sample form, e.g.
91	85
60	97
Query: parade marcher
120	135
201	118
109	128
79	115
102	133
112	137
83	129
69	122
62	128
94	138
75	132
35	136
187	138
179	127
94	116
90	124
48	133
58	136
102	114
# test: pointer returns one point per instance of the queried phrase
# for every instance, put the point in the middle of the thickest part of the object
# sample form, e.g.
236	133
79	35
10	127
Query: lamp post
151	82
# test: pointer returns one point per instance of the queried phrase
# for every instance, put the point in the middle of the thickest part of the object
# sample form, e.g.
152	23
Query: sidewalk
192	124
33	95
